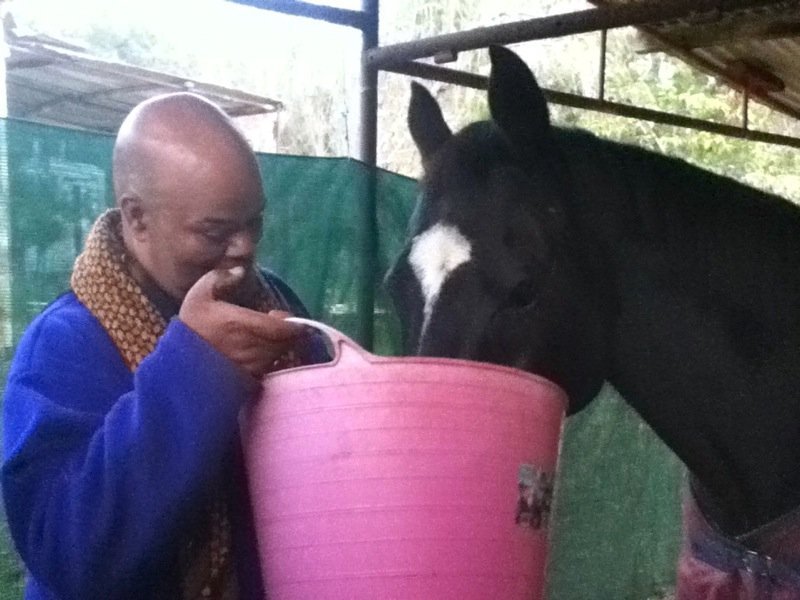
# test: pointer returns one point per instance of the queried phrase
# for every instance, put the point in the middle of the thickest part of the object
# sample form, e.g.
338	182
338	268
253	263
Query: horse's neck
705	344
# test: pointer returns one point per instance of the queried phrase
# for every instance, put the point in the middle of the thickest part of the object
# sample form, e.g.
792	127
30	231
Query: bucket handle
339	341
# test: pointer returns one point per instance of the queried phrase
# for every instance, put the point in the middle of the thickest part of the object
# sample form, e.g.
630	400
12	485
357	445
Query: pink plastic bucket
413	478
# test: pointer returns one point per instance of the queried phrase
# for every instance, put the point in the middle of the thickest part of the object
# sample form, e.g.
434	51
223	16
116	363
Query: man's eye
215	236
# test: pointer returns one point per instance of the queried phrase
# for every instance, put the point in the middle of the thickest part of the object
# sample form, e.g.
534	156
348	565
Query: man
122	477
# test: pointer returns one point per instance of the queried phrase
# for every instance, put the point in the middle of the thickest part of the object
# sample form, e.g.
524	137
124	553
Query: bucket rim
448	363
340	344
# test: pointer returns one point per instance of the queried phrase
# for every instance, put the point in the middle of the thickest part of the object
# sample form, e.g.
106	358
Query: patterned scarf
102	282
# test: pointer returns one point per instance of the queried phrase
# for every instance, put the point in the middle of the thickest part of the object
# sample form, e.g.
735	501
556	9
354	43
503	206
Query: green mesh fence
616	529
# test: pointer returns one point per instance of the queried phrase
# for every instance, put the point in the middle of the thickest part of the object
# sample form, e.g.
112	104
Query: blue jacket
104	470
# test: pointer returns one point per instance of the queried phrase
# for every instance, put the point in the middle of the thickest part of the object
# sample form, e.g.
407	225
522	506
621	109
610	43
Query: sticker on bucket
535	497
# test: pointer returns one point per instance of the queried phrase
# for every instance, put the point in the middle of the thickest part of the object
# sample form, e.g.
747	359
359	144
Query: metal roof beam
337	16
480	82
735	28
582	21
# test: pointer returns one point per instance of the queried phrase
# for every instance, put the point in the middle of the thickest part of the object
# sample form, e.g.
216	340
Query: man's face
206	216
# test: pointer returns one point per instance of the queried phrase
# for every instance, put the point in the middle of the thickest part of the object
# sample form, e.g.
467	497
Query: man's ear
133	215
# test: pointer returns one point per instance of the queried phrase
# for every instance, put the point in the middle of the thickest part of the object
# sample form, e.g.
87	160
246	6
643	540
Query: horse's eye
522	295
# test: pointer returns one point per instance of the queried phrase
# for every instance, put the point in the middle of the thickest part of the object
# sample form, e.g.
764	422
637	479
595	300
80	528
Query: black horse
586	261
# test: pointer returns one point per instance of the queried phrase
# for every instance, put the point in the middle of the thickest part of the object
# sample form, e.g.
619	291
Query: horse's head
492	269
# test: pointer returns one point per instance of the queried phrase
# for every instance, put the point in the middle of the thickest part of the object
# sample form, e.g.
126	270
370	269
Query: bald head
189	190
174	130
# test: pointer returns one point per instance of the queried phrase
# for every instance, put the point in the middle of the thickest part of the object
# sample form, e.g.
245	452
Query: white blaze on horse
434	254
585	260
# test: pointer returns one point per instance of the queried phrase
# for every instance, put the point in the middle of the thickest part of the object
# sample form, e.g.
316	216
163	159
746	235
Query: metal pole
601	90
746	107
582	21
446	75
6	275
368	150
338	16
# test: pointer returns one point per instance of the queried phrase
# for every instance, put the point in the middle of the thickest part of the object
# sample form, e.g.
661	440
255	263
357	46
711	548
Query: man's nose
242	245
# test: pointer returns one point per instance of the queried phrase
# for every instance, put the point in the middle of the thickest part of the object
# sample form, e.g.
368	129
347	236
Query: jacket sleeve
101	467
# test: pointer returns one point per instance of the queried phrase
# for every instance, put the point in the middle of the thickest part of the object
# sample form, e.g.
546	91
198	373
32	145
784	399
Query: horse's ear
426	123
516	101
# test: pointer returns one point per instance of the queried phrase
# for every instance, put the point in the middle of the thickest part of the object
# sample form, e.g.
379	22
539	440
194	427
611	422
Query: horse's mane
690	182
717	235
727	234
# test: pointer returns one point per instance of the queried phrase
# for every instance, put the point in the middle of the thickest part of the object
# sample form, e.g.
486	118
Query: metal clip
757	564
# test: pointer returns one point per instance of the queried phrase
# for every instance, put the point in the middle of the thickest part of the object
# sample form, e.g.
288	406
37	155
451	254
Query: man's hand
252	339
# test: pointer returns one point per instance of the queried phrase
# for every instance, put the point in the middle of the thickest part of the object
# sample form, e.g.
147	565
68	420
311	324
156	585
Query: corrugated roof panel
62	86
764	36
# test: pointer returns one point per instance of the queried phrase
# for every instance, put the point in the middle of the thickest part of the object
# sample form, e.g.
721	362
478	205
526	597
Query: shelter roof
747	44
49	81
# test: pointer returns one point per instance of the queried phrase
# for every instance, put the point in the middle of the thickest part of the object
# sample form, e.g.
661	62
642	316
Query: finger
283	315
255	350
277	328
214	282
269	327
254	360
259	365
226	280
280	314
